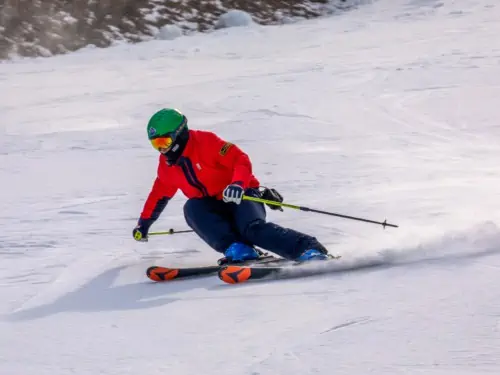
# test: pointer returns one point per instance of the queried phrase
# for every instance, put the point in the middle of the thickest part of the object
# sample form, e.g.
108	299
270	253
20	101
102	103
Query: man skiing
215	175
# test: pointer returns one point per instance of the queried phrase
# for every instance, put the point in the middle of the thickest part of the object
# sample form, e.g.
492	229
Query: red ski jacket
207	165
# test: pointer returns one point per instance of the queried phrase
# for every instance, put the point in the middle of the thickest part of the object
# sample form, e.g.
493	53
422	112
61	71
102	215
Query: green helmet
166	121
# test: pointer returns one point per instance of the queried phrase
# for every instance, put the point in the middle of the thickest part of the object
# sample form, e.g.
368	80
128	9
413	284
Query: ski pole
302	208
170	231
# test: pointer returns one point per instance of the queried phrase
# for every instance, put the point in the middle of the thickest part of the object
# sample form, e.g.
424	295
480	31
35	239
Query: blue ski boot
312	254
240	252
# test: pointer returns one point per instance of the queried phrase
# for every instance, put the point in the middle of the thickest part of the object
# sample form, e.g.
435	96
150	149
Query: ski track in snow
386	112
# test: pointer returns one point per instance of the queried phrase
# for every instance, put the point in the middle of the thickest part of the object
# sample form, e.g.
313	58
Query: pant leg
211	219
250	219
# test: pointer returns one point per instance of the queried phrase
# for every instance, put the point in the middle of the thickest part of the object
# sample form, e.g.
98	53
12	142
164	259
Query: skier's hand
140	232
233	193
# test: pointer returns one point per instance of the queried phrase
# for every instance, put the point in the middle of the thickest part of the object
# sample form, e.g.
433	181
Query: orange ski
160	274
236	275
278	270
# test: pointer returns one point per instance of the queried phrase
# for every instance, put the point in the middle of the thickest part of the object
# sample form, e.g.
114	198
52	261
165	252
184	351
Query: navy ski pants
220	224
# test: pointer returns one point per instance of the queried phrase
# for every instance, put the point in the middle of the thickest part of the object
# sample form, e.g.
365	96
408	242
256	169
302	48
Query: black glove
274	196
140	232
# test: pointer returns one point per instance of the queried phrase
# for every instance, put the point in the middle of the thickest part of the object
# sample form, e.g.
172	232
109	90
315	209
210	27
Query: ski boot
312	254
316	252
238	253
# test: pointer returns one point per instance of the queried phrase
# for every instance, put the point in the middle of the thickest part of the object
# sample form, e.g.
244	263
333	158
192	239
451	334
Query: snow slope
390	111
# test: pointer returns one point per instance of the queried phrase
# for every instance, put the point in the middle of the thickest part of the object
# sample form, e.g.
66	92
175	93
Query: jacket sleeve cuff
145	223
239	183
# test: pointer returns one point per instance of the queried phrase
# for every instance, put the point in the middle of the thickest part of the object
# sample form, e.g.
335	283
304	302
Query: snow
234	18
169	32
389	111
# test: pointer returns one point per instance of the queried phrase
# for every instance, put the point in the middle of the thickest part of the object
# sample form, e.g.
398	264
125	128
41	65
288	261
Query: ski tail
160	274
236	274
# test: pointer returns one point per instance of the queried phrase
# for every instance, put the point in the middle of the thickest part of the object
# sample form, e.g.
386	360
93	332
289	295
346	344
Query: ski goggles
164	143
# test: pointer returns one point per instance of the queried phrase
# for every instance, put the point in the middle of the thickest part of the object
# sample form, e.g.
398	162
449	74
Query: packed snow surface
390	112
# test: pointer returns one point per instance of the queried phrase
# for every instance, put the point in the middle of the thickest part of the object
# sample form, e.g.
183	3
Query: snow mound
169	32
234	18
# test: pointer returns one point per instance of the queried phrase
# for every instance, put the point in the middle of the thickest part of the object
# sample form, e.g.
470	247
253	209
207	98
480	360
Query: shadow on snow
99	294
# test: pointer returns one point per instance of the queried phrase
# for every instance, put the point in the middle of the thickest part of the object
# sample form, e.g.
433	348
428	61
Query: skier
215	175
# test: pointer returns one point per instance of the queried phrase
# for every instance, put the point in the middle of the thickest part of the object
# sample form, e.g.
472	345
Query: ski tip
235	274
158	274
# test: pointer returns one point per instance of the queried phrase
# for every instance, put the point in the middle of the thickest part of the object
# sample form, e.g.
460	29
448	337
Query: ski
240	274
235	274
160	274
267	266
